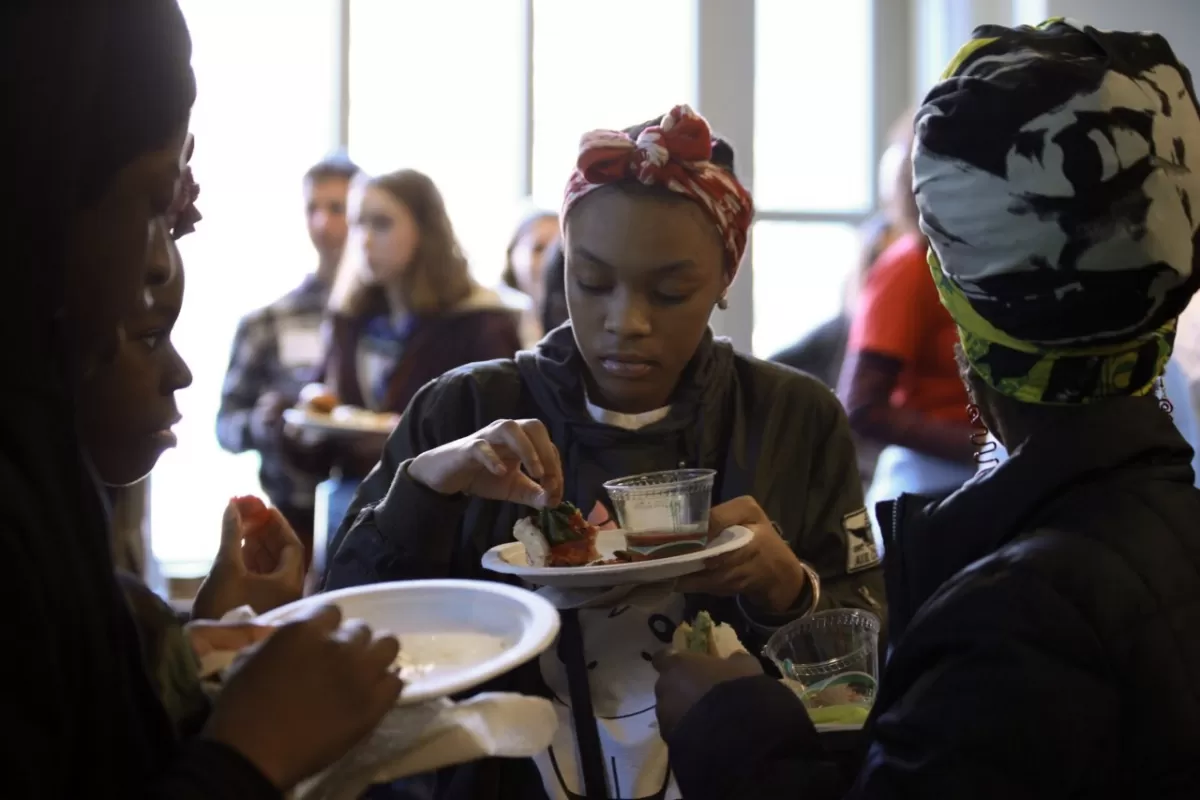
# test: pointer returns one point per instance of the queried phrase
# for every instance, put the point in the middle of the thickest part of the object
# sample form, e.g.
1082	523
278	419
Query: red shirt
900	316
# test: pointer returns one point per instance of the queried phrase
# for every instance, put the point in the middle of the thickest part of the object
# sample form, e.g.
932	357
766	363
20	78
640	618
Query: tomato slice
253	511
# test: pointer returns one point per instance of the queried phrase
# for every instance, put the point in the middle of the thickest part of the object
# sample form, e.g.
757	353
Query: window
800	274
813	160
439	87
812	106
261	119
609	65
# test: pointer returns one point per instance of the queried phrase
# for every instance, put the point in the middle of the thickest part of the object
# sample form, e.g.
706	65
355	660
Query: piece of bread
704	637
537	549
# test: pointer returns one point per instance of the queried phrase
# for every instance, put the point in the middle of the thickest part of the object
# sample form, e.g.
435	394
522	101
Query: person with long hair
98	98
405	310
656	224
1044	616
415	312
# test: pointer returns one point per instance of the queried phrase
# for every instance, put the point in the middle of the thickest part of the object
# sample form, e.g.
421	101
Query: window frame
725	73
725	91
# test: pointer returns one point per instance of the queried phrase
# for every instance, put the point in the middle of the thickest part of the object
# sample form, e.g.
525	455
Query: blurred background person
405	310
524	265
900	383
276	351
554	297
822	352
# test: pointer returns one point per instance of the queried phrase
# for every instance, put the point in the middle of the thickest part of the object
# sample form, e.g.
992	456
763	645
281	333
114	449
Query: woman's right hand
306	695
489	464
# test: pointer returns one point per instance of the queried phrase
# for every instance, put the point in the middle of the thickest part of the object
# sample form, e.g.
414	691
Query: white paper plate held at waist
454	634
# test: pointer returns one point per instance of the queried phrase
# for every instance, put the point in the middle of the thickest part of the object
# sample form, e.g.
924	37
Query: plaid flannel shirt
278	349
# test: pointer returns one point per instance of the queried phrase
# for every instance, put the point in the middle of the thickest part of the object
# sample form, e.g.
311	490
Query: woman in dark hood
1044	616
97	98
655	227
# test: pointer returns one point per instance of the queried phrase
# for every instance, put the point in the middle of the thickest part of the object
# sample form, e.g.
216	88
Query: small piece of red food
572	538
253	511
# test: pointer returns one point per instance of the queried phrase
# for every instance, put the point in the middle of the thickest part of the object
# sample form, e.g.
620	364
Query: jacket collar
927	543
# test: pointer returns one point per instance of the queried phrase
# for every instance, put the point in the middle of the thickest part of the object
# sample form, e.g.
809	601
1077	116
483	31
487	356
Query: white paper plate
343	422
510	559
466	632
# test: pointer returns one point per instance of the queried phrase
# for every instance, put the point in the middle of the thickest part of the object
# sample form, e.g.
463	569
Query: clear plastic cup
831	660
663	513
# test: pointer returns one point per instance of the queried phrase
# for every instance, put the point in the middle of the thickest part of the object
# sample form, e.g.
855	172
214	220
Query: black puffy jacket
1046	622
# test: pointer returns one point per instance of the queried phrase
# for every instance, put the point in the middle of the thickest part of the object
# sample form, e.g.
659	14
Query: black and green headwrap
1055	169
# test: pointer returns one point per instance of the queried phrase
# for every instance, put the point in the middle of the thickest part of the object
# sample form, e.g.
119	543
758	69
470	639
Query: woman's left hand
264	571
766	570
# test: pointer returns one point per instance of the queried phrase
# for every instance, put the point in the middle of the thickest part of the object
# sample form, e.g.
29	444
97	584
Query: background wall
1178	20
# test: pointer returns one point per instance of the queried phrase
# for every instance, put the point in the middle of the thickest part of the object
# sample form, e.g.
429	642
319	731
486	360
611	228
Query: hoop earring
1160	389
985	448
722	302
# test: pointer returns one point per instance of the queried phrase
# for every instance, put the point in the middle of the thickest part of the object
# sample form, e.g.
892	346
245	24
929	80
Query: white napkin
415	739
421	738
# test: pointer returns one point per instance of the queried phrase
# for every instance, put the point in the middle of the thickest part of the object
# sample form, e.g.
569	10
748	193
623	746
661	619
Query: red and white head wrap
677	155
183	214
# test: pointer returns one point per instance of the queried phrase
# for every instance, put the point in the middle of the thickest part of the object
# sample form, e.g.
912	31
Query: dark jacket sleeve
397	529
716	753
207	770
998	653
819	505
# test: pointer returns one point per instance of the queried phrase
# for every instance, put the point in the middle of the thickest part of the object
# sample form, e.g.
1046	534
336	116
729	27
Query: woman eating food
655	226
100	133
1044	617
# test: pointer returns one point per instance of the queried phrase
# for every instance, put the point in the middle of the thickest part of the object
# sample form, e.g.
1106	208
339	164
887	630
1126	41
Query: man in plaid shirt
277	350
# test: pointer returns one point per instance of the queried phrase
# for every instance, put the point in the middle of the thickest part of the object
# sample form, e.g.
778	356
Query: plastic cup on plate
831	660
663	513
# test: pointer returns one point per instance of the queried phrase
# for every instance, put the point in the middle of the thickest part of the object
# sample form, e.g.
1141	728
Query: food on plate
705	637
422	653
558	537
317	399
362	417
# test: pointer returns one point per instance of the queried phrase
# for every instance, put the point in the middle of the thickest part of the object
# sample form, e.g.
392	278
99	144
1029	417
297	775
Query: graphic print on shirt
861	550
618	644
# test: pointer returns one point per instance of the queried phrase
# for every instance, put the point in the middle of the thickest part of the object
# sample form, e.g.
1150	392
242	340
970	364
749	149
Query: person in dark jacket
1044	616
99	96
656	224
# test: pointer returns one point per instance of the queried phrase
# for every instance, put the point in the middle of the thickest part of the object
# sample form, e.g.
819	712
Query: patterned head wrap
183	214
677	155
1055	172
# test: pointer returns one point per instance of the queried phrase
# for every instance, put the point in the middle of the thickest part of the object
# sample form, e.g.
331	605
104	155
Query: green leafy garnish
562	524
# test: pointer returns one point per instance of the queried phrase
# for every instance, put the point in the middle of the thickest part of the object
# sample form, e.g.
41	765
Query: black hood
928	543
693	433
